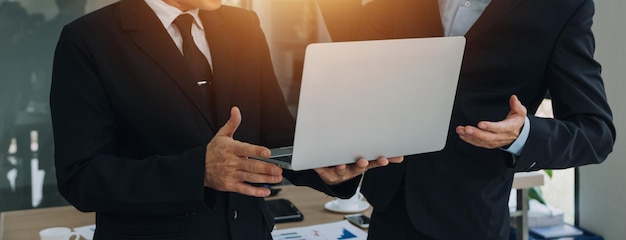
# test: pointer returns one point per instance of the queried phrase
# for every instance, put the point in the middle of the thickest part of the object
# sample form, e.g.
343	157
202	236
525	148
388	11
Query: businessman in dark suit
516	52
137	130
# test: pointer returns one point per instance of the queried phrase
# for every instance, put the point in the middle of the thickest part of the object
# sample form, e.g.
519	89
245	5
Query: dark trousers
394	222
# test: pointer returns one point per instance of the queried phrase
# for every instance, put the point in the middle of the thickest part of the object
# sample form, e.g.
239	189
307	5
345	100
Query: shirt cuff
519	143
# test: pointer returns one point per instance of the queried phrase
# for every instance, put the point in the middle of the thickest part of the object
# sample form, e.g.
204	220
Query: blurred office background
591	196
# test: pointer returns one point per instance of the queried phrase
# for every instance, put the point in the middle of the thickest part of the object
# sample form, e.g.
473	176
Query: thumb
516	106
233	123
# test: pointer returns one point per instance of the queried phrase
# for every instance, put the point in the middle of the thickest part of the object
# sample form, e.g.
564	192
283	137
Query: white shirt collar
168	13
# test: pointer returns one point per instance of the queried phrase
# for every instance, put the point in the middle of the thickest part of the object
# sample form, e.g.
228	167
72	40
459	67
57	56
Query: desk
25	224
311	204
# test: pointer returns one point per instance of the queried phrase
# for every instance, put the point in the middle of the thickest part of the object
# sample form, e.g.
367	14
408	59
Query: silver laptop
368	99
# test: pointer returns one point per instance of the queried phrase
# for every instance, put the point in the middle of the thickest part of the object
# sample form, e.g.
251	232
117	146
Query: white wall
603	187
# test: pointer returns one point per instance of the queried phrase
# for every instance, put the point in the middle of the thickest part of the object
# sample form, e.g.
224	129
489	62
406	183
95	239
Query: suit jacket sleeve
582	131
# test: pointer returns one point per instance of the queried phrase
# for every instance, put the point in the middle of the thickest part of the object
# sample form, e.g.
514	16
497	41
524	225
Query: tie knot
183	22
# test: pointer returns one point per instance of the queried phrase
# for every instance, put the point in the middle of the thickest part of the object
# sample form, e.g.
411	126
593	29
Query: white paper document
86	231
564	230
329	231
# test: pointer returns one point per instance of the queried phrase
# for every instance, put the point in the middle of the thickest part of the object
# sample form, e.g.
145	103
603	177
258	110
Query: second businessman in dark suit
153	146
517	51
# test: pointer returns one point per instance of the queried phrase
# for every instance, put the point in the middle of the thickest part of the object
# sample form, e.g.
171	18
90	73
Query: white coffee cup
58	233
350	204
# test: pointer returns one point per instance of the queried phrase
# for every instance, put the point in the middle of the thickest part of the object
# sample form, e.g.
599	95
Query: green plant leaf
535	193
548	172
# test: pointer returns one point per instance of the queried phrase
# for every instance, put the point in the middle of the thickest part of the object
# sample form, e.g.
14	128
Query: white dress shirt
458	16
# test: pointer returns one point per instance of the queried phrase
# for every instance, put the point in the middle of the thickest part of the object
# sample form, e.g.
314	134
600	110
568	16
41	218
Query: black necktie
198	64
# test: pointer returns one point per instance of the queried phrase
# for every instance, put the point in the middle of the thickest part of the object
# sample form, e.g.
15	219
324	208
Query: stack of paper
563	230
540	215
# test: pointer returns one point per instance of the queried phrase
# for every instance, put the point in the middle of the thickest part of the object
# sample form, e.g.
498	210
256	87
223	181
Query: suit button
235	215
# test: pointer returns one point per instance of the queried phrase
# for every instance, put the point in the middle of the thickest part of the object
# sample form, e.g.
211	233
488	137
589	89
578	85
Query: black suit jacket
131	128
521	47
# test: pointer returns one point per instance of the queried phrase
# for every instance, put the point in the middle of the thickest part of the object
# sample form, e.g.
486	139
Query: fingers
340	173
250	190
229	130
516	106
496	134
480	138
233	123
335	174
512	123
243	187
399	159
381	162
260	167
228	168
246	149
341	170
236	174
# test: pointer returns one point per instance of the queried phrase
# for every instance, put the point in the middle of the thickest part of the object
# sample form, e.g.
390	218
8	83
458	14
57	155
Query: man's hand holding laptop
337	174
228	168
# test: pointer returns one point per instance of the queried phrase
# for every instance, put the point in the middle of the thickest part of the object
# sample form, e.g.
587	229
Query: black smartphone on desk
359	220
284	210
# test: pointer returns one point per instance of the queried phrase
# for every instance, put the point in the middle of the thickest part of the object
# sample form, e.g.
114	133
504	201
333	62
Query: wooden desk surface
311	204
26	224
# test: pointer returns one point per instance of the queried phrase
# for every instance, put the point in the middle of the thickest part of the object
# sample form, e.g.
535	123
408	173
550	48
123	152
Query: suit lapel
496	10
146	30
224	54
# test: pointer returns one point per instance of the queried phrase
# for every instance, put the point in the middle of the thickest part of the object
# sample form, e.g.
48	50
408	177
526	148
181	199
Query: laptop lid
367	99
